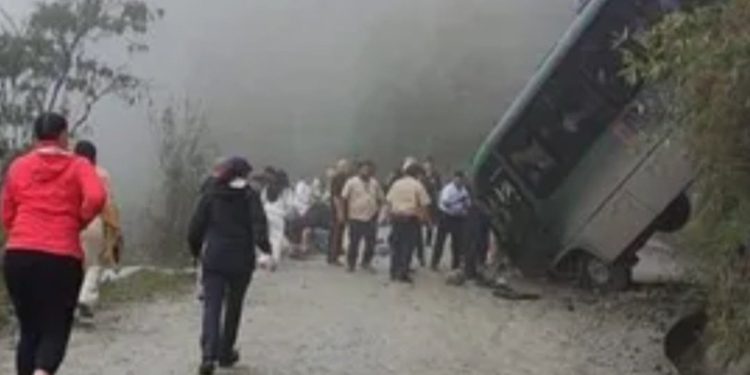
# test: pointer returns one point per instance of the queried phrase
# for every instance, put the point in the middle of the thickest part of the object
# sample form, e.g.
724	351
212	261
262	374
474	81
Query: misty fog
300	83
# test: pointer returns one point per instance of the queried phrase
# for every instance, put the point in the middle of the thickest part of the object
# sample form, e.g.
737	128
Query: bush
703	55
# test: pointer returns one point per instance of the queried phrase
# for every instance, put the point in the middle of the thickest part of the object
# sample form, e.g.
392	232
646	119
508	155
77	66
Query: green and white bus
581	170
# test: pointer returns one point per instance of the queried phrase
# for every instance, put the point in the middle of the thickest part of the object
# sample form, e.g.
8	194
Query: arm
8	204
259	223
199	225
94	193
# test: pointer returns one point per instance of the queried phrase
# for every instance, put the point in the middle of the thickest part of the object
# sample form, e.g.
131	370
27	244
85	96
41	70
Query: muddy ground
310	319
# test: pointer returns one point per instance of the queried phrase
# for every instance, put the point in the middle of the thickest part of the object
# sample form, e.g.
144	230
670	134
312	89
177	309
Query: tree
703	57
49	62
185	152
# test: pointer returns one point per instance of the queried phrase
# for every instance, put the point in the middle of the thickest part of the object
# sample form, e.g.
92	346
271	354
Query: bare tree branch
89	106
9	21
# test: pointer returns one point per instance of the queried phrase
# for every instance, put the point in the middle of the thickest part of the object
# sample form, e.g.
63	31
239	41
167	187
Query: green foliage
146	285
185	153
704	57
48	62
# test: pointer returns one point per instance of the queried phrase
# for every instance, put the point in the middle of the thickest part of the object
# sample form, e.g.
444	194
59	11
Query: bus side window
530	159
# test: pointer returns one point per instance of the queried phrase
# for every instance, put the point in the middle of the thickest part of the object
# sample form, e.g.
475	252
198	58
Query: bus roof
546	70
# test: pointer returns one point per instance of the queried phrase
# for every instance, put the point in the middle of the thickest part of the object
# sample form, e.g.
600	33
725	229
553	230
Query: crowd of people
63	227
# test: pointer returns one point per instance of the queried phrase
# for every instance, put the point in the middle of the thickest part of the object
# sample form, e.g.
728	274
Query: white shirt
454	200
303	196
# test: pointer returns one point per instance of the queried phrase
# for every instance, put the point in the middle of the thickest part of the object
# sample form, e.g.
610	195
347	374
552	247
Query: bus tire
675	216
600	276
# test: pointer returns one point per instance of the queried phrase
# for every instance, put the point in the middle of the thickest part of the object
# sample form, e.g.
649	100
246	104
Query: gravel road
310	319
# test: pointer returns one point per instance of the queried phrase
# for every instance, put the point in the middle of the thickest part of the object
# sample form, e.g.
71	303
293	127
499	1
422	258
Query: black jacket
227	226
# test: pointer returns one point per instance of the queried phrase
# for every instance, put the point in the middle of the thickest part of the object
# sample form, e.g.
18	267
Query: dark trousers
455	227
405	240
44	290
358	231
420	247
223	297
478	233
336	241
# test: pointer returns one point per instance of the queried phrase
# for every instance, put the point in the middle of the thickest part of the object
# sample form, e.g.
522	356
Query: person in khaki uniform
102	239
407	204
363	198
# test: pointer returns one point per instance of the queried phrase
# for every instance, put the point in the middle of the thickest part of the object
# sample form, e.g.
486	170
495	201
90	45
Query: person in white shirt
363	198
454	205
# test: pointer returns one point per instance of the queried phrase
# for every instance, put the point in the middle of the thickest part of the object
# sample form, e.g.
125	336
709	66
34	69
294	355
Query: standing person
49	196
477	241
454	205
338	225
408	203
102	239
278	203
227	225
363	197
433	183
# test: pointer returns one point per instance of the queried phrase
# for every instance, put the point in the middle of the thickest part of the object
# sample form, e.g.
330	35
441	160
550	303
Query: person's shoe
206	368
230	360
406	280
369	268
350	269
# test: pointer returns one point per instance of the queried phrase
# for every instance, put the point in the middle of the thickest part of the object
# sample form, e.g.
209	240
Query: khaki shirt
408	197
363	198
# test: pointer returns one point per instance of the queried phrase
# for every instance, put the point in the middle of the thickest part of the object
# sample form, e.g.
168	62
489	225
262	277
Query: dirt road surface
310	319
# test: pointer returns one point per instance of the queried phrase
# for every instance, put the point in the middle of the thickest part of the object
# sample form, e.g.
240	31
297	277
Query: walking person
50	195
407	203
227	225
338	224
101	240
363	198
454	205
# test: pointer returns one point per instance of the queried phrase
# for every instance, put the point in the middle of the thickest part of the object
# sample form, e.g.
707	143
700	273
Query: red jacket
49	196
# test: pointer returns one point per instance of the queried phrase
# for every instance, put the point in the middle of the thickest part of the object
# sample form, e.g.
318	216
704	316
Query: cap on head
50	127
233	168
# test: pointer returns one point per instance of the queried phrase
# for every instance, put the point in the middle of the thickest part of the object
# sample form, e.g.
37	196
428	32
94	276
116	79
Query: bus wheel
605	277
675	216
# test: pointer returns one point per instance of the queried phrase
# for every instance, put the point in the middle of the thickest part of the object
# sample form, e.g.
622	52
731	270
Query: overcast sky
299	83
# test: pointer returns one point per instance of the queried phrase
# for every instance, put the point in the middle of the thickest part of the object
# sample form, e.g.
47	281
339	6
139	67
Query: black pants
223	297
405	240
358	231
44	290
478	234
454	226
335	241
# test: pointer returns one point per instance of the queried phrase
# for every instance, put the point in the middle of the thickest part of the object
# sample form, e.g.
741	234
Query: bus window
530	159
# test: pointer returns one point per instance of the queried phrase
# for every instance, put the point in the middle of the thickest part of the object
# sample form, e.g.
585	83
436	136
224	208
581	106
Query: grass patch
146	285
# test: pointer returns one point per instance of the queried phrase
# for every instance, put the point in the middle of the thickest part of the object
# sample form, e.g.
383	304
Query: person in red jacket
50	195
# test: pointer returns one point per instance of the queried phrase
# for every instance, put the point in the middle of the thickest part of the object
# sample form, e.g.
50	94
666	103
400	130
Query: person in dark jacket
228	224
